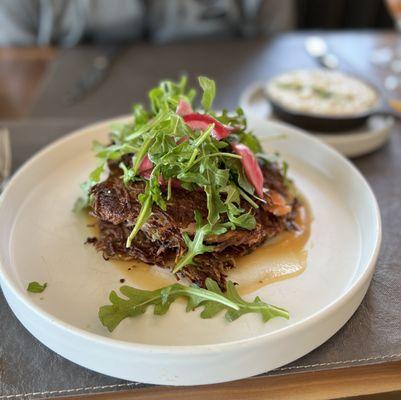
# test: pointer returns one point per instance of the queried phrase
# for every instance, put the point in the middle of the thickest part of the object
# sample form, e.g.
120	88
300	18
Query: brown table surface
27	88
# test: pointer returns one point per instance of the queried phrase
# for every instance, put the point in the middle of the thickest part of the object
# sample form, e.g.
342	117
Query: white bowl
42	240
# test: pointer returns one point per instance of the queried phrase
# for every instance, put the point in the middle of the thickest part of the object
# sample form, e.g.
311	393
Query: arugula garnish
196	246
239	218
36	287
194	158
212	299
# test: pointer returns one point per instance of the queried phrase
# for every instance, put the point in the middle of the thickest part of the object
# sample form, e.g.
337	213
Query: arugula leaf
221	177
128	173
266	310
193	177
96	173
80	204
209	169
141	116
237	216
166	96
236	119
238	173
36	287
195	246
209	92
136	162
119	131
215	205
112	152
233	195
252	142
196	144
284	172
138	301
212	299
83	202
146	210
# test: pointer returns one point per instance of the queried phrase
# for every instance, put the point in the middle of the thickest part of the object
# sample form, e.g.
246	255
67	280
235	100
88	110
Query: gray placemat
30	370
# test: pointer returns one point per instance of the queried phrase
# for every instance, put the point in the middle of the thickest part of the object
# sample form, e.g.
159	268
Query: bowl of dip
322	100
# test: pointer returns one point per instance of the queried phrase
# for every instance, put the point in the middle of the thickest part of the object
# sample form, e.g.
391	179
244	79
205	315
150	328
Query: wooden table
22	73
381	382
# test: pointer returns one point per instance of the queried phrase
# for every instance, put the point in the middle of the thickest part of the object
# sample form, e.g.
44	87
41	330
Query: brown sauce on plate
144	276
281	258
136	273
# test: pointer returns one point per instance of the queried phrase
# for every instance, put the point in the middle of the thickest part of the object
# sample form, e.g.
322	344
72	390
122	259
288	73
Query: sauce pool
281	258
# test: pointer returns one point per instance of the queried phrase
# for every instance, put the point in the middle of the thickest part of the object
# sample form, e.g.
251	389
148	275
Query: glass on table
390	56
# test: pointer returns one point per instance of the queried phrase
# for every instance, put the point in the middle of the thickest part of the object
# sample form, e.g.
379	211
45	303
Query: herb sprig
212	299
36	287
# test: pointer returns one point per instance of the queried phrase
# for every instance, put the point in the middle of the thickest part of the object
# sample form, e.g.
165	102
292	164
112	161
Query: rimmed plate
41	239
354	143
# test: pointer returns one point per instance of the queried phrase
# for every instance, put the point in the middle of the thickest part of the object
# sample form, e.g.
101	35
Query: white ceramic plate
369	137
42	240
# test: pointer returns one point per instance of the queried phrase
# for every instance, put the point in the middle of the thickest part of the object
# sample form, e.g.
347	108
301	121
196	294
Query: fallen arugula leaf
36	287
212	299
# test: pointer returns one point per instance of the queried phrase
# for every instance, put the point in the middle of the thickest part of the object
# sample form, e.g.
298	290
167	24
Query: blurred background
93	58
69	22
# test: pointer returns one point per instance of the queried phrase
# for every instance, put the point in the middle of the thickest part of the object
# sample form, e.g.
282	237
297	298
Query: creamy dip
322	92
